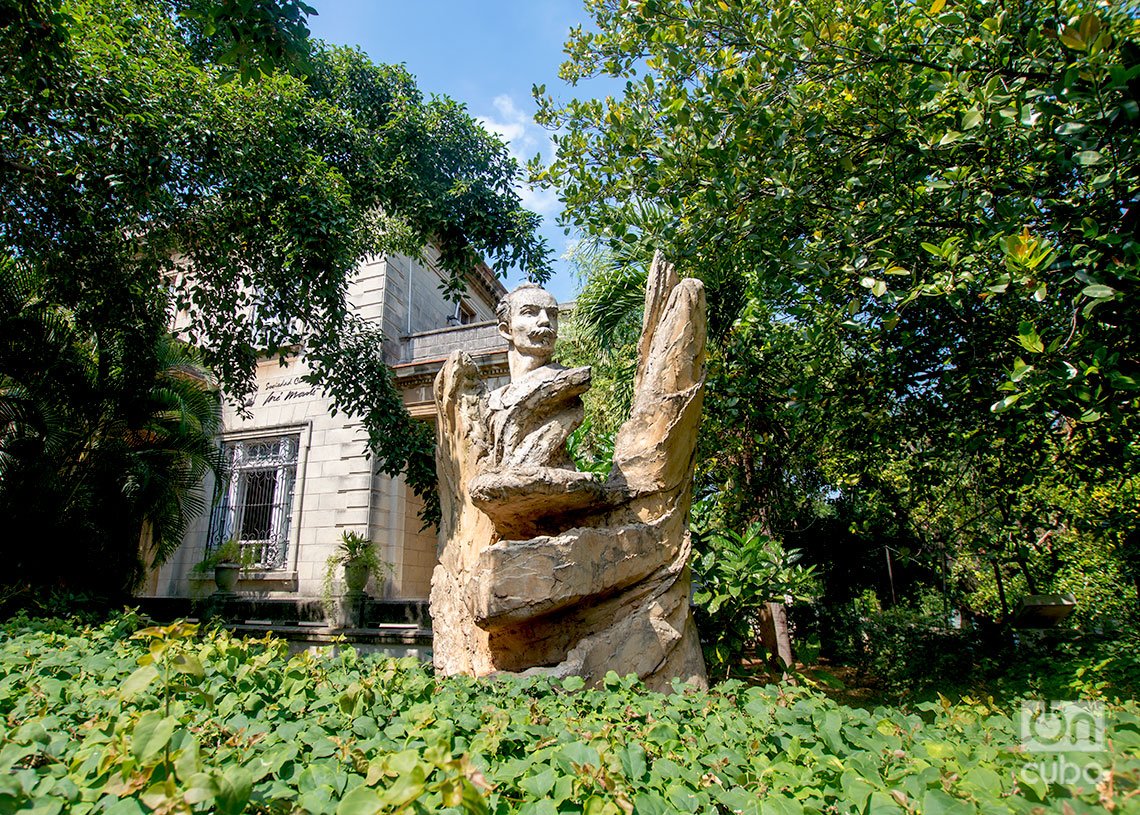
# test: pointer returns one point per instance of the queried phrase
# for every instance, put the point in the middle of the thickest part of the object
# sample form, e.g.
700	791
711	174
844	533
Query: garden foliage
736	575
140	179
105	442
916	223
165	720
908	653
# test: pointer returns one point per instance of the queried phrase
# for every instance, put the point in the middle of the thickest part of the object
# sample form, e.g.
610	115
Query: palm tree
174	450
106	437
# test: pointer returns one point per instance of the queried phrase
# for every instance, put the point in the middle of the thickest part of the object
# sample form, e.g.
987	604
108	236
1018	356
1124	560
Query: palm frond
608	311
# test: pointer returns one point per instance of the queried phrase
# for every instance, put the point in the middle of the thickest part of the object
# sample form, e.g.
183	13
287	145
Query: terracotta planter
355	576
226	577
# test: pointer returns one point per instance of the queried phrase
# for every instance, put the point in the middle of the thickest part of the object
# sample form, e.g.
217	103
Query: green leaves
139	681
504	745
1027	336
1098	291
151	736
877	287
361	801
1086	35
736	575
785	156
270	192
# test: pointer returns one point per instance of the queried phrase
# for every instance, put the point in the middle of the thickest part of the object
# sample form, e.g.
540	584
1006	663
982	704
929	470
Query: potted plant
356	555
226	562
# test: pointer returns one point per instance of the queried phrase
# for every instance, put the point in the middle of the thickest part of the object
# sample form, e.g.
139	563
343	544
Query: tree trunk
1001	591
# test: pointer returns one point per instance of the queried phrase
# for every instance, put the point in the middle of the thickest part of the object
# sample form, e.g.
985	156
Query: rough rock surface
546	568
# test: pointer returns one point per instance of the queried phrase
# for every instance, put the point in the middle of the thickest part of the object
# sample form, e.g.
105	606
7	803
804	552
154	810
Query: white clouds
512	125
524	139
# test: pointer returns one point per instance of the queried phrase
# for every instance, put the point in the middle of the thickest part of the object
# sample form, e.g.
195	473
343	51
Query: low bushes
170	720
907	654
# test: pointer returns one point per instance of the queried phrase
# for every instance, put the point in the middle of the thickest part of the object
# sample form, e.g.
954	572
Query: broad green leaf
1098	291
360	801
1005	404
650	803
1072	38
234	786
781	805
1020	370
985	780
937	802
151	735
138	681
1027	336
125	806
540	784
200	788
883	804
1089	26
406	788
633	762
187	664
597	805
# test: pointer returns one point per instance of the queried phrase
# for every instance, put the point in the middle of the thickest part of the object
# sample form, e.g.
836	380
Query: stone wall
475	338
331	493
337	487
418	283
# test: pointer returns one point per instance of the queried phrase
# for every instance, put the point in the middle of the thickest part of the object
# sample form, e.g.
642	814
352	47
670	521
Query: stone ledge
283	611
273	580
391	635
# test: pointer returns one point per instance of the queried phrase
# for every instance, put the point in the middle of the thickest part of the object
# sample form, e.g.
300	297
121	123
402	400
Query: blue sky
484	53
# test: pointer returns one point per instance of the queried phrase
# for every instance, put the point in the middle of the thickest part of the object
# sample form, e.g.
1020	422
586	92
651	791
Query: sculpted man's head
528	321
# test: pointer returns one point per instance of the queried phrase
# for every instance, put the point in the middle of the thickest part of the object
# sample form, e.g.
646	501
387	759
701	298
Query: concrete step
282	610
395	627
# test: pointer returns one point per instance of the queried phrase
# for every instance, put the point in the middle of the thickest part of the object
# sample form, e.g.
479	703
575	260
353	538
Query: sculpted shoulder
547	381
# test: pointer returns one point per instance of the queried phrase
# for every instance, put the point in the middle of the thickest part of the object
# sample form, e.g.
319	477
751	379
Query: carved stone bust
546	568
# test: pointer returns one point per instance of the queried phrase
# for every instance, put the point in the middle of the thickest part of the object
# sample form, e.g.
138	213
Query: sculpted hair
503	309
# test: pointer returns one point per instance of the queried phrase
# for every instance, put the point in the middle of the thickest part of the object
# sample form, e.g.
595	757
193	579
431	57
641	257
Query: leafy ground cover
120	720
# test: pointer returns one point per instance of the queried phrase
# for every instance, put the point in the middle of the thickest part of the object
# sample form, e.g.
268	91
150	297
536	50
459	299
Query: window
257	504
464	314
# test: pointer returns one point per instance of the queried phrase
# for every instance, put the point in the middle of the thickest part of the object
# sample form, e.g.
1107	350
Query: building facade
300	477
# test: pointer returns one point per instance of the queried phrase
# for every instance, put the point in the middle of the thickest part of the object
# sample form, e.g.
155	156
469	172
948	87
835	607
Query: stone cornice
422	372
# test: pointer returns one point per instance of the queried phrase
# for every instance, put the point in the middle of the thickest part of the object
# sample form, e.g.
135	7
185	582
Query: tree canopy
979	153
139	176
918	227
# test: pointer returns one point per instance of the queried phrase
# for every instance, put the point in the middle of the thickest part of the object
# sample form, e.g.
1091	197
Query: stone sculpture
545	568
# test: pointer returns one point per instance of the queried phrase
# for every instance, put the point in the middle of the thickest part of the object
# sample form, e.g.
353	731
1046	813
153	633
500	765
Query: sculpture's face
533	326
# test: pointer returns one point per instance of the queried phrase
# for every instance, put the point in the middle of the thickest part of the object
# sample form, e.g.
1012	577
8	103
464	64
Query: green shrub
734	576
173	720
908	652
1069	664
